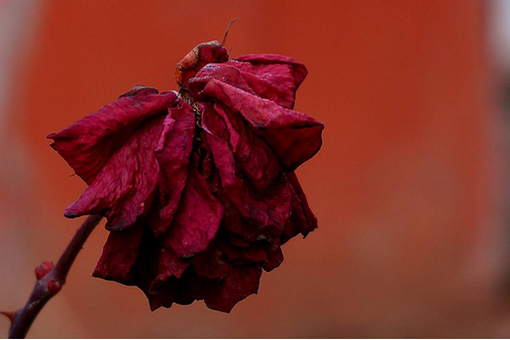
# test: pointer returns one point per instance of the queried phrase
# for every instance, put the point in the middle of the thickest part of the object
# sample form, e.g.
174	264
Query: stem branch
51	283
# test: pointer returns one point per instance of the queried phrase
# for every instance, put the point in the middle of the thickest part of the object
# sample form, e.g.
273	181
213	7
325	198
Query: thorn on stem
10	315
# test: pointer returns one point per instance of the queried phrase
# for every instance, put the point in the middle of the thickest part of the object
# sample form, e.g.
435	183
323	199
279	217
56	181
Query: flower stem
51	283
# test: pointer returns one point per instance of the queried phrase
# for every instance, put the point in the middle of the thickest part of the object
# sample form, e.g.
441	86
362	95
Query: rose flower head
198	186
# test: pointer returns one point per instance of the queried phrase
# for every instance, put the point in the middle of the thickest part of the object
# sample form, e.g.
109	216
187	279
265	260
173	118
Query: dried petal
240	282
293	136
198	218
120	254
198	187
282	71
90	142
123	189
170	266
302	219
210	263
172	153
268	76
271	208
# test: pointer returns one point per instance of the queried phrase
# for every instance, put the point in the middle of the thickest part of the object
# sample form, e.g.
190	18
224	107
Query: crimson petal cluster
198	187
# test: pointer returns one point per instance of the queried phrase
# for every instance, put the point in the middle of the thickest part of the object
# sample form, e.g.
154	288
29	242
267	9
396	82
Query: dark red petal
255	253
238	284
275	81
302	219
293	136
276	68
173	152
237	240
89	143
270	208
124	187
268	76
226	72
198	217
169	266
210	263
193	287
311	220
119	256
164	296
252	155
274	258
248	229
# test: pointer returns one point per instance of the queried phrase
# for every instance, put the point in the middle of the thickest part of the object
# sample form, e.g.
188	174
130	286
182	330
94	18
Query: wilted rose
198	186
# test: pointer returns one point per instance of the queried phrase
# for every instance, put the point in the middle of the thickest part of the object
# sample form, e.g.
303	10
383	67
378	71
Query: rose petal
240	282
277	69
120	254
169	267
226	72
293	136
247	228
268	76
90	142
173	152
274	258
251	153
123	189
302	219
210	263
255	253
270	208
198	217
310	217
165	295
193	287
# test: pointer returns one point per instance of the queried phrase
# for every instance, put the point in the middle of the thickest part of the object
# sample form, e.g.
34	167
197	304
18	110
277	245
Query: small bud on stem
50	279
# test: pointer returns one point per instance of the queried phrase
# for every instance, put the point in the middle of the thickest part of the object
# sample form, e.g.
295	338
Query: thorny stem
49	285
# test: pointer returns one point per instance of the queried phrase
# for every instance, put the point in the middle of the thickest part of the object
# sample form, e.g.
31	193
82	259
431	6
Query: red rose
198	186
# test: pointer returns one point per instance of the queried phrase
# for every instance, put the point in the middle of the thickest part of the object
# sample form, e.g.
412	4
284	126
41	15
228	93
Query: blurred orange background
409	187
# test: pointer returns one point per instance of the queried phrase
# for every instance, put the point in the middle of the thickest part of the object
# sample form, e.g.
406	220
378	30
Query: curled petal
197	220
173	152
170	268
293	136
274	257
124	188
243	230
210	263
302	219
120	254
251	153
268	76
240	282
169	265
278	69
226	73
254	253
90	142
270	208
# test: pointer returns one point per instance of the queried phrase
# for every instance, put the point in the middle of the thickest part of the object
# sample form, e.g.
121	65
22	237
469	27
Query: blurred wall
407	188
